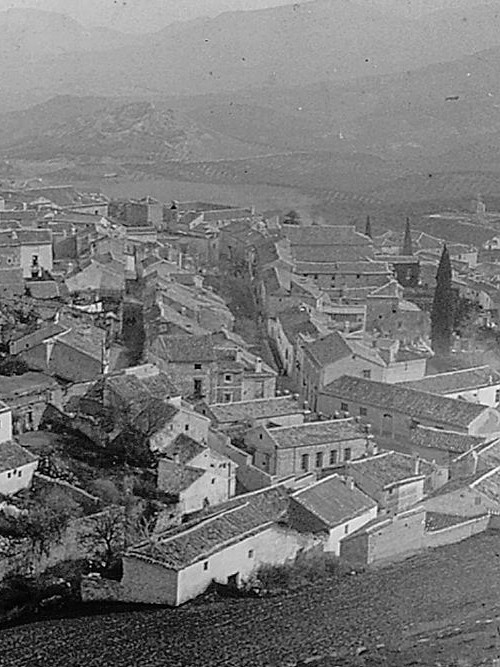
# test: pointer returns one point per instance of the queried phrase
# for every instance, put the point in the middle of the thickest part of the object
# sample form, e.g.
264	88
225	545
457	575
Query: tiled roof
455	381
180	478
322	235
437	521
260	408
333	501
34	236
450	441
328	349
343	268
392	289
316	433
415	403
160	386
295	321
387	468
183	447
14	456
489	485
184	349
245	515
18	385
331	253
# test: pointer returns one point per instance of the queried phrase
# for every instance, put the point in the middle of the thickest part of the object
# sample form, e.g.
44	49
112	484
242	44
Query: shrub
308	568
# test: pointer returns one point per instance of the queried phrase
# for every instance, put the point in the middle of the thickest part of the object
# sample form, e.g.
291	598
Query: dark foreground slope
440	608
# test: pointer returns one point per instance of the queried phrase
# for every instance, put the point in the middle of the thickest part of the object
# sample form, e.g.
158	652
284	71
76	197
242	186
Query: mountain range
292	45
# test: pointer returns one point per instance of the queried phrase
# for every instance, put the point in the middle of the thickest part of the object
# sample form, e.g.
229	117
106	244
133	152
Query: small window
197	367
305	462
477	500
346	528
213	480
347	454
319	459
367	374
344	407
9	475
228	377
250	553
333	457
205	565
260	436
186	427
363	412
20	474
227	398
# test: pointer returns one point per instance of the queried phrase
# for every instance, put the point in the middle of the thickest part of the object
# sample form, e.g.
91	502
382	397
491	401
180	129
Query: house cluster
341	441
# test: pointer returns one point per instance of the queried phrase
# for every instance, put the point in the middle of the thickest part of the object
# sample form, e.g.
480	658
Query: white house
17	465
338	505
480	384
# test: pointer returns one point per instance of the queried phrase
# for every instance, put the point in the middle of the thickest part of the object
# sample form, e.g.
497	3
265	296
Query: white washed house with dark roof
480	384
279	410
17	465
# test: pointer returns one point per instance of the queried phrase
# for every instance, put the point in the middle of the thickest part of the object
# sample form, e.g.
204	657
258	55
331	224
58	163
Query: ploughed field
441	608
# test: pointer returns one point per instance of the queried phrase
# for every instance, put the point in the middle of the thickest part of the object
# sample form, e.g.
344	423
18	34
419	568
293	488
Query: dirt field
442	608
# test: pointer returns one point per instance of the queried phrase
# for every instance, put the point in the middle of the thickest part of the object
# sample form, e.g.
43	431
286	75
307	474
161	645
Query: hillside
440	608
98	127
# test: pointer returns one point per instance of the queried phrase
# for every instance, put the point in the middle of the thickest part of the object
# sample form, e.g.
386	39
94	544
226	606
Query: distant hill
99	127
292	45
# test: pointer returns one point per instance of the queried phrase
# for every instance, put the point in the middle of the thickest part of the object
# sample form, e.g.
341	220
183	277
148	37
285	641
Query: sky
139	15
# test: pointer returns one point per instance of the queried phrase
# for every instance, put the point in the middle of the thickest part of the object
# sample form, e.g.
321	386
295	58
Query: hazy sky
139	15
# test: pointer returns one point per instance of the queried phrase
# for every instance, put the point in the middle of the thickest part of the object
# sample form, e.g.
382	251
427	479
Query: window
344	407
197	367
205	565
213	480
9	475
227	398
346	528
367	374
319	459
186	427
363	412
228	377
477	501
250	553
34	260
20	474
260	436
305	462
347	454
333	457
198	385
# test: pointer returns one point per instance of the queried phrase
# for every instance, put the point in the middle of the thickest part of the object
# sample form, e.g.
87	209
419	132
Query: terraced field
442	608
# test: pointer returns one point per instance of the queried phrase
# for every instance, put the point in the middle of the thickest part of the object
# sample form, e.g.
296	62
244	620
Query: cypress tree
368	228
442	307
407	243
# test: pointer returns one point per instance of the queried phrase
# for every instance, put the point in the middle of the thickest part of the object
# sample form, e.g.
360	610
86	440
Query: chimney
350	483
416	467
258	365
475	461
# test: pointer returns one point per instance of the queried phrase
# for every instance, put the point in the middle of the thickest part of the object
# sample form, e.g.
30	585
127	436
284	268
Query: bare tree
106	534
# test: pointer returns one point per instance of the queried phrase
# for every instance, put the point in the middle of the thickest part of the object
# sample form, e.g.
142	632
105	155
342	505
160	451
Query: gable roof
333	501
388	469
401	399
295	321
322	235
259	408
183	448
184	349
449	441
455	381
392	290
14	456
243	516
14	386
328	349
316	433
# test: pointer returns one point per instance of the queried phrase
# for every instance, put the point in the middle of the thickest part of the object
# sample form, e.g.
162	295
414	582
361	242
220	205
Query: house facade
17	465
315	446
393	411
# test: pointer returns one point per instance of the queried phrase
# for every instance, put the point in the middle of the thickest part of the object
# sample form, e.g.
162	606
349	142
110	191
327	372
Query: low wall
95	588
456	533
